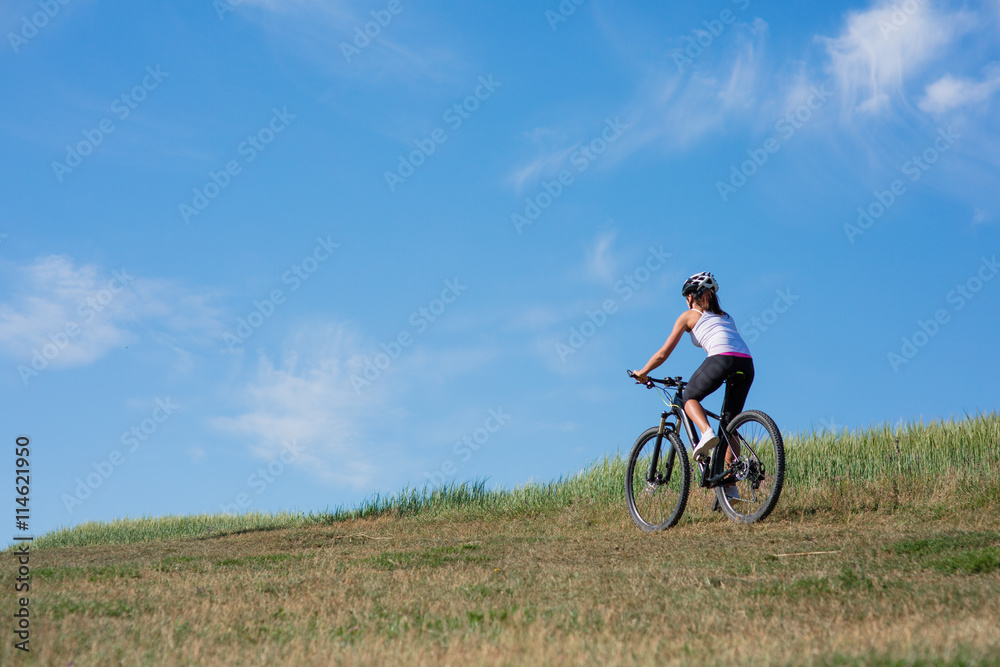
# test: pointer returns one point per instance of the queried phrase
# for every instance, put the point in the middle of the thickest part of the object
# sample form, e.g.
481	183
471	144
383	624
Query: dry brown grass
580	585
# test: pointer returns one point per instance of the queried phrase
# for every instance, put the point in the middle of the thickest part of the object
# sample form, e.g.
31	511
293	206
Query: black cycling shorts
736	372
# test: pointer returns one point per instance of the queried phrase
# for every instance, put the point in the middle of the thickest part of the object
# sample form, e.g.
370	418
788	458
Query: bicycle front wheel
657	480
761	471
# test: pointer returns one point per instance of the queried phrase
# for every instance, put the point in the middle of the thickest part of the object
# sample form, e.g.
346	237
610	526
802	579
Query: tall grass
917	453
907	450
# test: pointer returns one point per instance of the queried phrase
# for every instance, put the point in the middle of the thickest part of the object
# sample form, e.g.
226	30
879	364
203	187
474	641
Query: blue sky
249	235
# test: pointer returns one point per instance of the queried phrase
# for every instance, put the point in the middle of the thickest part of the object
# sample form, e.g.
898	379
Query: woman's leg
697	414
737	390
705	380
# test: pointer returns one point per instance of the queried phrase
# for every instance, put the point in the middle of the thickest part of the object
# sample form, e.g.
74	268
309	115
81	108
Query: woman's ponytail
713	306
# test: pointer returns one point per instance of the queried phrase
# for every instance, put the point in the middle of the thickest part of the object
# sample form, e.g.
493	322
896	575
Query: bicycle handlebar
666	382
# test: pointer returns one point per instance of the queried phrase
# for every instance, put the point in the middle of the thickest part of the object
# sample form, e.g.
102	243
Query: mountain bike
658	474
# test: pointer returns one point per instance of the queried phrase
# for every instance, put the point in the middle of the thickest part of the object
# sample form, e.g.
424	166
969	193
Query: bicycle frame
715	473
712	475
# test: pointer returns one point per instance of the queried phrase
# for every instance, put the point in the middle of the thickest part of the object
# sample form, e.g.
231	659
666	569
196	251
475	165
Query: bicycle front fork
655	459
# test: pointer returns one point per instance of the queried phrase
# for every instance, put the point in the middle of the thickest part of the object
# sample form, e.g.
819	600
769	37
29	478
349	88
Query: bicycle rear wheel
761	473
656	495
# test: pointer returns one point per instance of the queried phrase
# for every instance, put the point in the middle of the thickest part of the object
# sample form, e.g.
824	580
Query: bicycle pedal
715	505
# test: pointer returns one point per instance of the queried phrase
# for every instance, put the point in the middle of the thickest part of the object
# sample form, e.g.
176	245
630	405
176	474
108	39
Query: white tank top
718	335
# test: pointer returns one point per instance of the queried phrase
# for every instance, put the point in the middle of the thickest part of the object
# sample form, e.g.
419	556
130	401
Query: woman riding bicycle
728	359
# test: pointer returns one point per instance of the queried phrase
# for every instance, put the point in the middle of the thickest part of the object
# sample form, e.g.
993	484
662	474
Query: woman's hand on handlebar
639	377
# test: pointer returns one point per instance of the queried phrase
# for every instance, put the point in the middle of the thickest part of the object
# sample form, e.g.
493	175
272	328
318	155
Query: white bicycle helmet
698	283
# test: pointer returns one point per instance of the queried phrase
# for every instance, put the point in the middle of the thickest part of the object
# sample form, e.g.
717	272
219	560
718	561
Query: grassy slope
821	466
557	573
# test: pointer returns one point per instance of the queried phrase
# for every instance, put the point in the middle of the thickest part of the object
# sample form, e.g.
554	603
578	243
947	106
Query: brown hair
714	307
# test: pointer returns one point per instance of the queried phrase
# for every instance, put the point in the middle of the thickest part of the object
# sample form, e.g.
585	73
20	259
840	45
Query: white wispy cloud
309	400
334	395
85	312
949	93
675	111
880	54
883	47
898	68
362	41
602	264
670	111
741	87
547	161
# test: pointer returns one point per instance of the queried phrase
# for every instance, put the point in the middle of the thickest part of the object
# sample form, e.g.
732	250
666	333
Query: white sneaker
704	447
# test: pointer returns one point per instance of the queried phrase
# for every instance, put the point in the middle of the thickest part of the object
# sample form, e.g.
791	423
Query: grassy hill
884	549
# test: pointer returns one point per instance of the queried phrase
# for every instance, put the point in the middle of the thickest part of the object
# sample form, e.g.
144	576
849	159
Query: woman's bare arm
683	324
